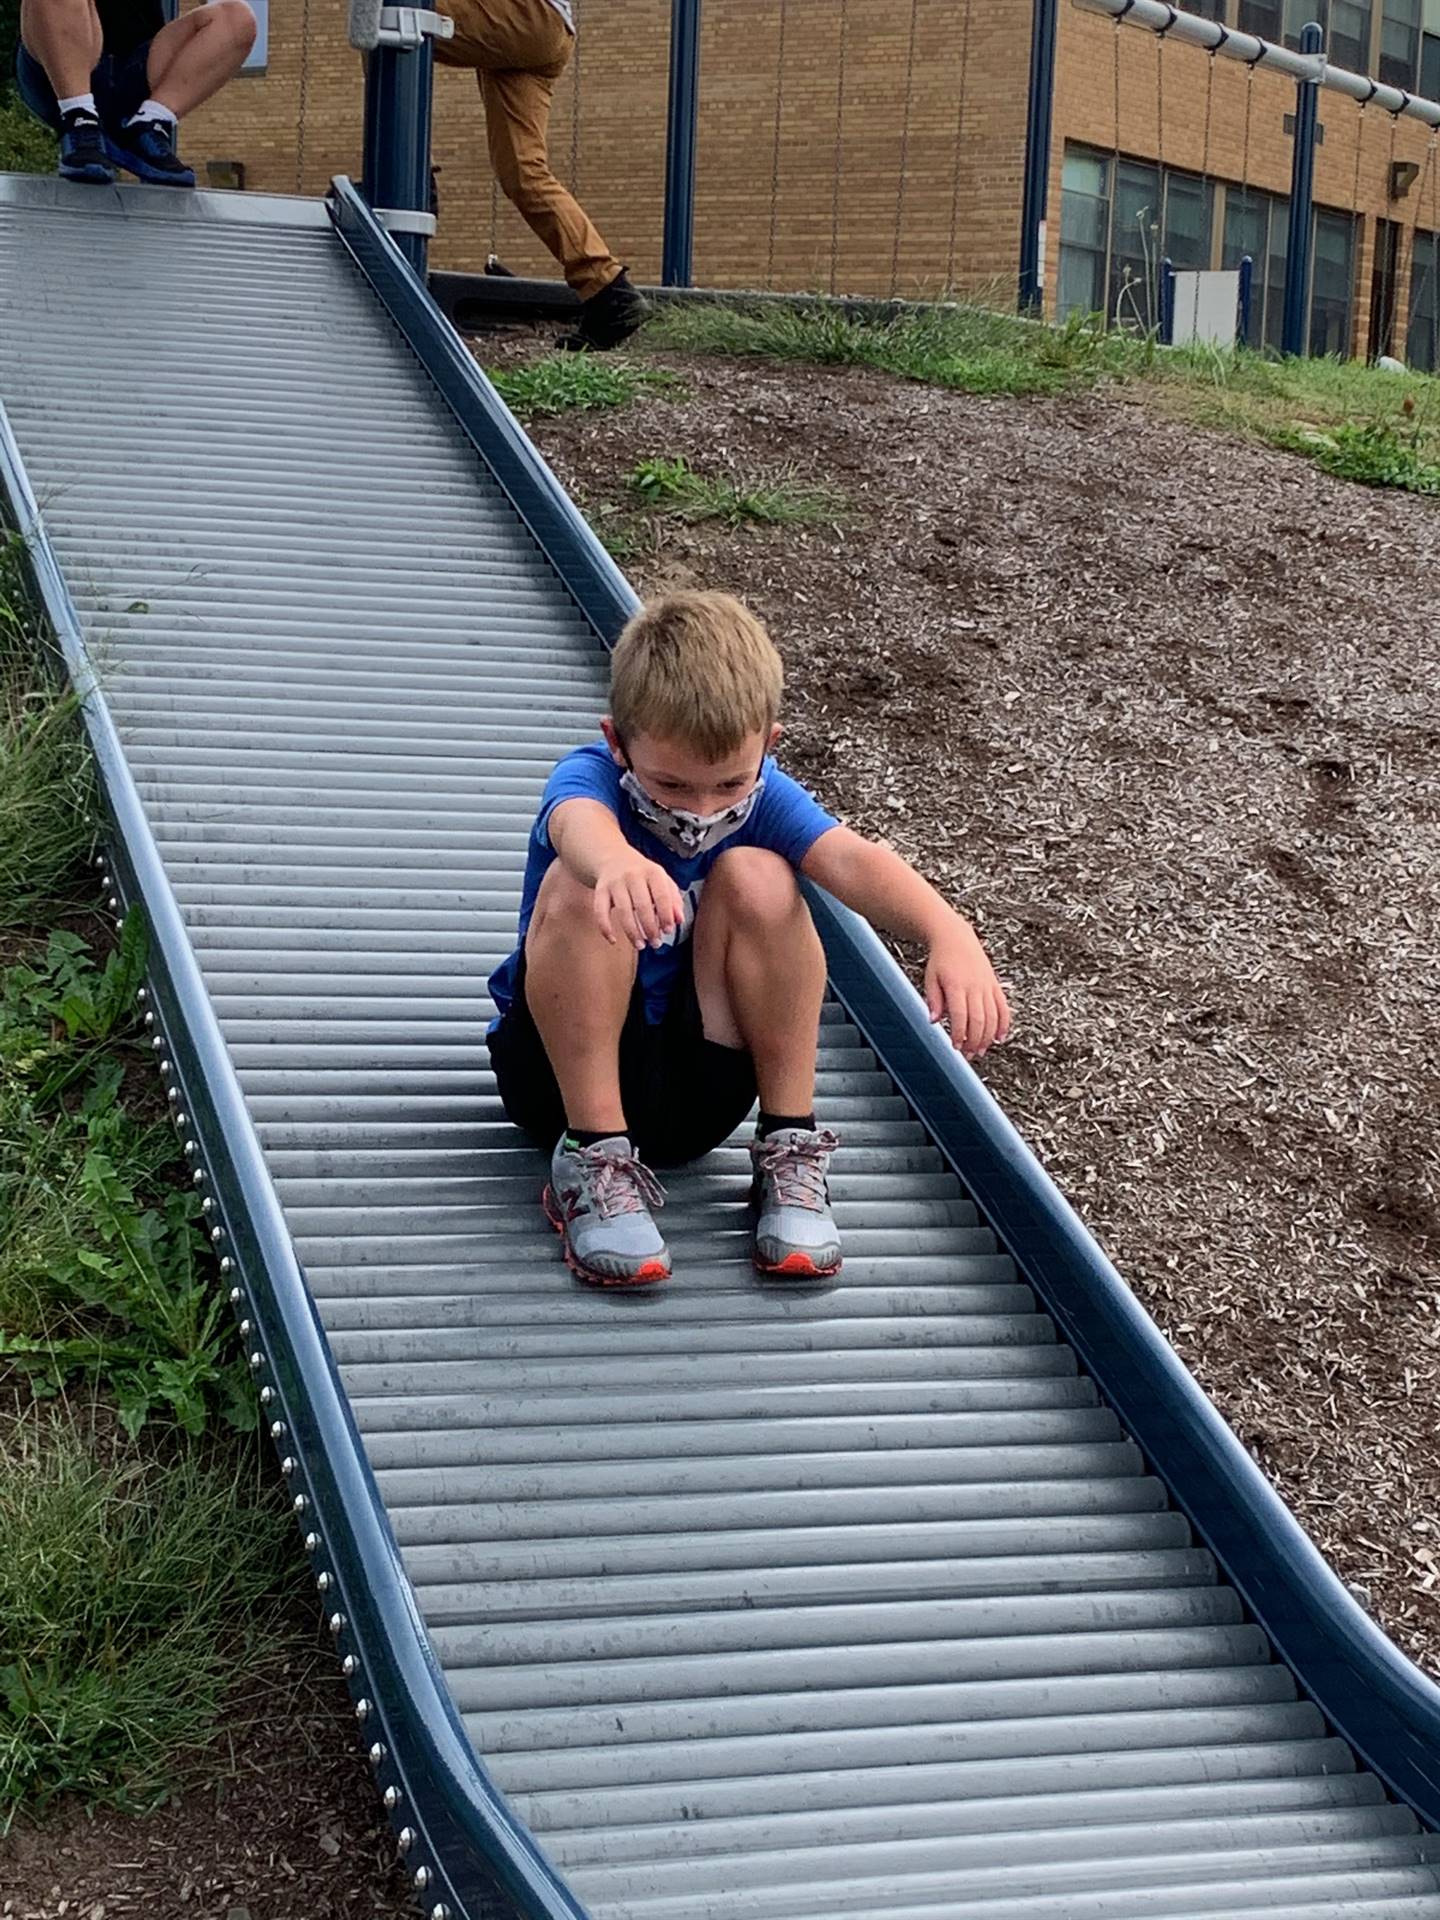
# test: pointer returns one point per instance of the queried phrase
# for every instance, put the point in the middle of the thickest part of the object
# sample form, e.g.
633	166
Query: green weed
104	1271
1376	455
45	774
566	382
134	1585
673	486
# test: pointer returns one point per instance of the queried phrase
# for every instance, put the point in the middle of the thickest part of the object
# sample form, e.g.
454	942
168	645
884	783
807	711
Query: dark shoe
83	154
144	148
608	317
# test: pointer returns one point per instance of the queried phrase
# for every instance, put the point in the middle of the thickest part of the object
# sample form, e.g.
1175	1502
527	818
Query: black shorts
682	1094
120	84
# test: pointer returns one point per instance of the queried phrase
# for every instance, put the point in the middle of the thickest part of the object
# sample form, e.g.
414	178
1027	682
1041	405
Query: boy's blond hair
698	668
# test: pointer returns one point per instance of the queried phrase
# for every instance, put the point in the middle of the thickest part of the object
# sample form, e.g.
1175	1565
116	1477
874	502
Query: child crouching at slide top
668	970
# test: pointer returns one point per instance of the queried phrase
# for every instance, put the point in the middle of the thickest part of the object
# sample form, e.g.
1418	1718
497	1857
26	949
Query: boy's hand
960	985
636	900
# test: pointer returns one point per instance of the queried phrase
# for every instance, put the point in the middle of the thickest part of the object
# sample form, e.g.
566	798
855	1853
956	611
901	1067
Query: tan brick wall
608	138
963	148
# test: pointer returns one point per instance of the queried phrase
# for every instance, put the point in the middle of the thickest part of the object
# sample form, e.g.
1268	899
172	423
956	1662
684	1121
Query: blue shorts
120	84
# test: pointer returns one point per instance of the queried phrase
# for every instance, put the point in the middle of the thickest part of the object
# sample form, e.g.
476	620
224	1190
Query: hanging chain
1205	182
1110	197
1117	89
904	149
575	103
839	146
304	97
959	132
775	156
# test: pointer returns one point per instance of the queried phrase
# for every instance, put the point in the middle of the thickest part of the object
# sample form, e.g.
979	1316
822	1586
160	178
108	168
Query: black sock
576	1137
769	1123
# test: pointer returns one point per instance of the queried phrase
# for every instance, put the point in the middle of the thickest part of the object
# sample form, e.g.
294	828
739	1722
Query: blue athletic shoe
143	148
83	154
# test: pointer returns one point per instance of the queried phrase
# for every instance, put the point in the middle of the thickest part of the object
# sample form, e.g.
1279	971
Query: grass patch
1359	422
965	349
105	1273
570	382
134	1587
673	487
25	145
46	786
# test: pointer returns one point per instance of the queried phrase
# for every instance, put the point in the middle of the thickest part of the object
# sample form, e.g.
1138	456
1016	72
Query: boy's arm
632	894
959	980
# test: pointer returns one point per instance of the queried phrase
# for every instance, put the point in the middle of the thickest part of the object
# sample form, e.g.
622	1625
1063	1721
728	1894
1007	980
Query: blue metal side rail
1373	1695
466	1856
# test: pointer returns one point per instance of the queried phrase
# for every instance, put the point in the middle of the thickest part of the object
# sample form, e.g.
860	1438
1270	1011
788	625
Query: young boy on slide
668	968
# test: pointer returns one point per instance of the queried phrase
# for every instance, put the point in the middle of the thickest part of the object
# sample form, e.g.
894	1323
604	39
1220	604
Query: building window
1400	42
1255	224
1118	221
1332	282
1084	231
1259	224
1348	41
1430	49
259	56
1346	24
1422	339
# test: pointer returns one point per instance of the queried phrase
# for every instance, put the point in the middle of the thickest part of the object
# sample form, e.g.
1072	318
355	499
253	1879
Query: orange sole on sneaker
644	1276
798	1266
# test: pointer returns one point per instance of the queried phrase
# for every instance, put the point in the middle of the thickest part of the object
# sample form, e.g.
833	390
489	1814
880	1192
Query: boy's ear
774	740
612	740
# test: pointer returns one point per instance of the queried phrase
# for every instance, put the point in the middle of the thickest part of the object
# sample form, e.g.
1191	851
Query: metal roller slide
937	1592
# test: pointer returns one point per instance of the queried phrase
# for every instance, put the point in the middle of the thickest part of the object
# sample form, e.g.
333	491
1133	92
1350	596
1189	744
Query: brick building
871	145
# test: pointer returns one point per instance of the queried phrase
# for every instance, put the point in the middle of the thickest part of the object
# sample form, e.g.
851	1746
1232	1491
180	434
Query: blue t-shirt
785	820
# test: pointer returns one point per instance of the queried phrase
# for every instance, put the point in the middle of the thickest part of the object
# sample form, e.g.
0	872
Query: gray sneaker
599	1201
794	1231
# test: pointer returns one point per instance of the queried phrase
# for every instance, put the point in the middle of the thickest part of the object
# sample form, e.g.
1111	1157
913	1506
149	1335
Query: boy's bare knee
753	887
562	902
236	20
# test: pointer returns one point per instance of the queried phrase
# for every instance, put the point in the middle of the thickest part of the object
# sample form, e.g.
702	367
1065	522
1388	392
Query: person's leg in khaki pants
517	50
517	120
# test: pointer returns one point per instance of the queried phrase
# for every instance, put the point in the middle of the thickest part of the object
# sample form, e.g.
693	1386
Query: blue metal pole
1302	188
677	261
399	84
1039	118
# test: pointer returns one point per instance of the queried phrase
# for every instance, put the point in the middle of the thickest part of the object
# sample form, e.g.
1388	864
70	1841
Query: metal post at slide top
1302	187
399	85
677	263
1039	118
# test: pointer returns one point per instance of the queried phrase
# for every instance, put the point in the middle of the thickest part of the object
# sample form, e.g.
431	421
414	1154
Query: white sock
152	110
79	103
